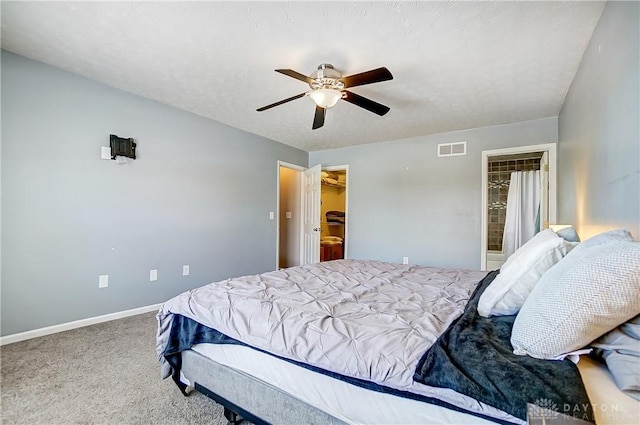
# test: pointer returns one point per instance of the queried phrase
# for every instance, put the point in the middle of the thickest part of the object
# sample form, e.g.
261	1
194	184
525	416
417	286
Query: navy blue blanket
186	332
474	357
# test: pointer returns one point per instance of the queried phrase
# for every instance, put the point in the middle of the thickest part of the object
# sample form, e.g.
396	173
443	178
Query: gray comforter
364	319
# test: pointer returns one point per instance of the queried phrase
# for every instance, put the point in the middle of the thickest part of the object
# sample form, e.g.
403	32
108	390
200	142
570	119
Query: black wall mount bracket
122	147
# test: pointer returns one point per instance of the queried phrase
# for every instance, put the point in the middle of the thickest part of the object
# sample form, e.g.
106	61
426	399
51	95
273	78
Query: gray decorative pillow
607	237
569	234
595	288
620	349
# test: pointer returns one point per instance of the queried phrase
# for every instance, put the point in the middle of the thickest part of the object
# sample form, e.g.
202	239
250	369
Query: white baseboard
75	324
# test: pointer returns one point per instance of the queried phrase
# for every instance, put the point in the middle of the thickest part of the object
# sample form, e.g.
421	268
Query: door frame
299	169
345	168
549	147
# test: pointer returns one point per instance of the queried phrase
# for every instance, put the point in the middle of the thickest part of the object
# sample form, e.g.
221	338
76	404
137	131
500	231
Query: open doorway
289	215
522	178
312	207
333	213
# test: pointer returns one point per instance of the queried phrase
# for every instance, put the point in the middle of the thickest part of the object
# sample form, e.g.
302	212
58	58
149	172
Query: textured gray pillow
620	349
569	234
595	288
608	237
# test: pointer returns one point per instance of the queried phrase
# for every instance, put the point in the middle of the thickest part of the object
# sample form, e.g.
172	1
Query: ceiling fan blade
363	102
294	74
264	108
368	77
318	118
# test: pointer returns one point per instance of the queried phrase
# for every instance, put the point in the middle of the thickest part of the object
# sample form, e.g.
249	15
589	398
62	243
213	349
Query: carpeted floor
101	374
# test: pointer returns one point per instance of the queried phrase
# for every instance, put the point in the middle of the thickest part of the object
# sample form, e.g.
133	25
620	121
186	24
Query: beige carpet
101	374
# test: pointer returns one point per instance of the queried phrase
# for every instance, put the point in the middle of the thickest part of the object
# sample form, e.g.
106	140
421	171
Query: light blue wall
199	193
405	201
599	129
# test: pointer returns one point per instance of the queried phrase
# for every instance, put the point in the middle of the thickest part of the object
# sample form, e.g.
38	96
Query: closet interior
333	216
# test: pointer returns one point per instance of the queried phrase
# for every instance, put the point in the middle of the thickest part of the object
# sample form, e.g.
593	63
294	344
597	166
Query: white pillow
520	273
595	288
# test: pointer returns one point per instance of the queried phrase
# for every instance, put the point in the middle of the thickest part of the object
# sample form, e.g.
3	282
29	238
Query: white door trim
549	147
293	167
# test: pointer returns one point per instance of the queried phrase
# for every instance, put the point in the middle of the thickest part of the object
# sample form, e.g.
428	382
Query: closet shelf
338	185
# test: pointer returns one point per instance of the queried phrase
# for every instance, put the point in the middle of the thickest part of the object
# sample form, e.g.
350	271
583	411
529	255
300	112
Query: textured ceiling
456	65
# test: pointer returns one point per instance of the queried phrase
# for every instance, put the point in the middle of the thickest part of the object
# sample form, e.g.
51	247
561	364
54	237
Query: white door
544	191
311	215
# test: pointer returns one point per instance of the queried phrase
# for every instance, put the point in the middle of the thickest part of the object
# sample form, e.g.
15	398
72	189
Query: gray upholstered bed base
242	393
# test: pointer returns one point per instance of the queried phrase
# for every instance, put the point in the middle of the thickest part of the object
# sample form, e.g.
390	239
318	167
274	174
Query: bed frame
246	397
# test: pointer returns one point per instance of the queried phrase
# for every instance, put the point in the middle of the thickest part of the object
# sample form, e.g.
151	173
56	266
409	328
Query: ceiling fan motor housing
326	77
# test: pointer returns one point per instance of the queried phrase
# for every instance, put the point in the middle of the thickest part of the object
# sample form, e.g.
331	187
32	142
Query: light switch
106	152
287	214
271	215
153	275
185	270
103	281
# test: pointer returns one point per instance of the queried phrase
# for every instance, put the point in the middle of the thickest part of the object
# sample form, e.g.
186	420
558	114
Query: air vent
452	149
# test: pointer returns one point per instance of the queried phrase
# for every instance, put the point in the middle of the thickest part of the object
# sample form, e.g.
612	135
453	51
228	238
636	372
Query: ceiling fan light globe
325	98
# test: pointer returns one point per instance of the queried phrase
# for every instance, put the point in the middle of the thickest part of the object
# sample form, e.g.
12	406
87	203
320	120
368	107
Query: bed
353	341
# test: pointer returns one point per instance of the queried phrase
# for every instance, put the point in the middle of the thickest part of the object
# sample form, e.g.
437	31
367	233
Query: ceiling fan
328	86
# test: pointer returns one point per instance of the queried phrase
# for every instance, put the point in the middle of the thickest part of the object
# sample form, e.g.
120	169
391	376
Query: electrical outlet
185	270
153	275
103	281
405	260
271	215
